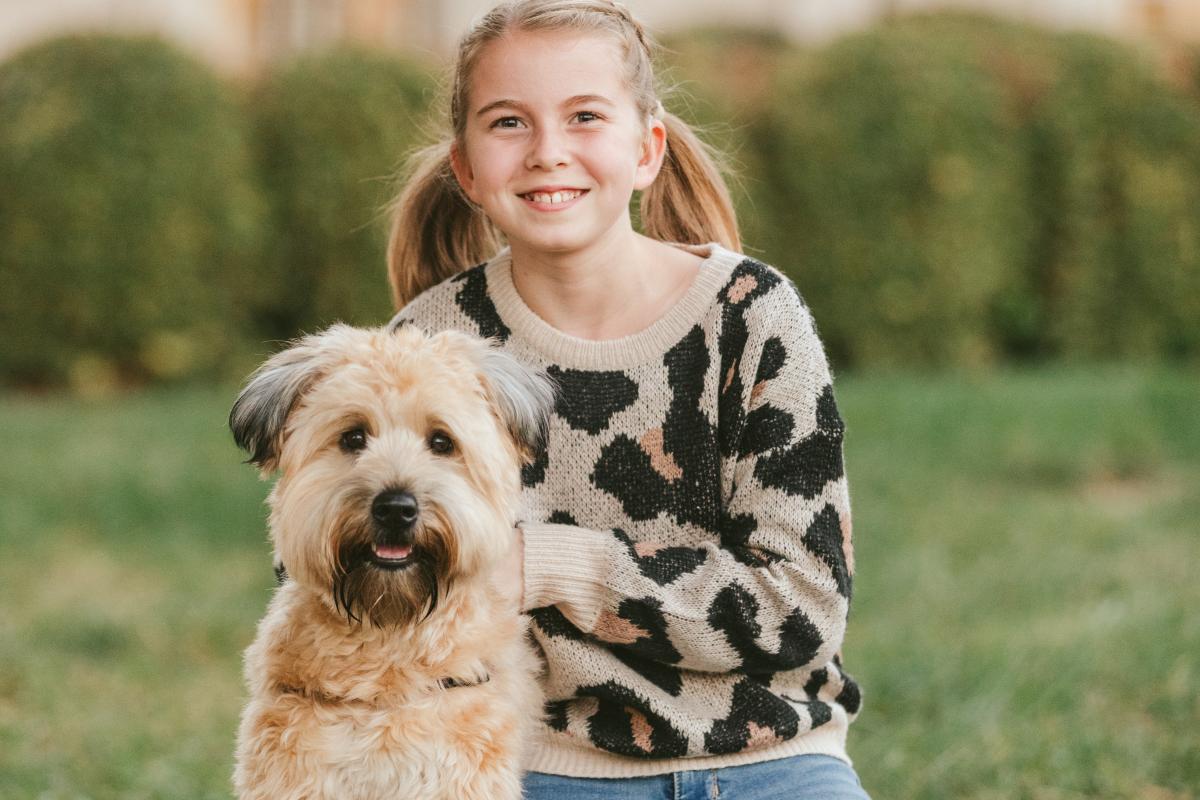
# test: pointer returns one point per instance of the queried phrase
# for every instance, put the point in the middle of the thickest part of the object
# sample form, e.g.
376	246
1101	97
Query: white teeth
552	198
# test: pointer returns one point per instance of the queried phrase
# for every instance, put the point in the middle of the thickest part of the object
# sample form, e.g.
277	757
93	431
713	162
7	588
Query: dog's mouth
388	578
392	556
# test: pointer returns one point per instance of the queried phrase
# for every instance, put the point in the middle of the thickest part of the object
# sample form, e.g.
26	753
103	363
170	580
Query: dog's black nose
394	509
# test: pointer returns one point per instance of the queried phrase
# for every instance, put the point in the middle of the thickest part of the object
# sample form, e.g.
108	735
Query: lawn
1026	619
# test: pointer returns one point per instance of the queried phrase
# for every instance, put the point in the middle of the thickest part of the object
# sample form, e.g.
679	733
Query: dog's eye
353	440
441	444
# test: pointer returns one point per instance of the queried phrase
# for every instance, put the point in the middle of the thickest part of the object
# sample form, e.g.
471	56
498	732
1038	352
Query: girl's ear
653	151
462	171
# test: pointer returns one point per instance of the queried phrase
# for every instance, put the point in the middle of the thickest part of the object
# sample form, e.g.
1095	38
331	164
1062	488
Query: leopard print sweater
688	557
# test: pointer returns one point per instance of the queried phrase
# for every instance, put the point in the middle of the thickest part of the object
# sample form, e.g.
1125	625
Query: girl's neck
619	287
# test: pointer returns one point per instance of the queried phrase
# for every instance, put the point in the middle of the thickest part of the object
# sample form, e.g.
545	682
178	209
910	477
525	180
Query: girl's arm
773	595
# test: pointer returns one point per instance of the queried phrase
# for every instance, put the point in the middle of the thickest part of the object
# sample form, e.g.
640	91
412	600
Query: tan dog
388	664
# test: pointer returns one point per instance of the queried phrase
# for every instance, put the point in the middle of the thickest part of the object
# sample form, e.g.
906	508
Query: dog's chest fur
341	710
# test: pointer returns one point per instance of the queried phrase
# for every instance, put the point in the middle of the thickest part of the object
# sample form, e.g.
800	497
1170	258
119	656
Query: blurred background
991	207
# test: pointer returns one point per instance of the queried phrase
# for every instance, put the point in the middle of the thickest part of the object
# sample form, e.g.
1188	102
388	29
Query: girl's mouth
553	201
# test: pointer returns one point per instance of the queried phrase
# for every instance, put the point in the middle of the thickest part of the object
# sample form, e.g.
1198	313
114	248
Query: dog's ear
399	322
523	396
261	409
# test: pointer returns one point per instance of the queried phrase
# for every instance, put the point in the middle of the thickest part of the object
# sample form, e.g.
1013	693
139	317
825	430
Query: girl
685	554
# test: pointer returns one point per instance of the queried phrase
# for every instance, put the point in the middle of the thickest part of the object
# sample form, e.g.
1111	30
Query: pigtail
689	201
436	231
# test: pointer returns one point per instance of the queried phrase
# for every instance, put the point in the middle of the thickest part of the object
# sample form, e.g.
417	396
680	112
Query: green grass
1025	619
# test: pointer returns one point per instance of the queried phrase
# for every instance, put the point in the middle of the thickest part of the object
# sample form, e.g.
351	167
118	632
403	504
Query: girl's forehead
548	66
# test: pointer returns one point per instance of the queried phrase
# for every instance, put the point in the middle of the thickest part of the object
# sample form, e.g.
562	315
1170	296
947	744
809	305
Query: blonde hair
436	231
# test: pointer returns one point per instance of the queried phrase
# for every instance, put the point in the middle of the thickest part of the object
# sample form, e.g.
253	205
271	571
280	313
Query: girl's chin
550	237
560	234
552	244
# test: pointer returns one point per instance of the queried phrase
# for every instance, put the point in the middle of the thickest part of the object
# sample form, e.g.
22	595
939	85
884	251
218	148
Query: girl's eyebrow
517	104
587	98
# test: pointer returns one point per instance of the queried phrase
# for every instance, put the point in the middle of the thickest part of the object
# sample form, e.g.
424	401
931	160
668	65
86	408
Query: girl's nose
547	150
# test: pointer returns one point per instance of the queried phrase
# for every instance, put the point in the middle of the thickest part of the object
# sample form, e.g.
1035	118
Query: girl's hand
509	575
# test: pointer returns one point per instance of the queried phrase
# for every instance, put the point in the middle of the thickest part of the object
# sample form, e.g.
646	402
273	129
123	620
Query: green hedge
1123	277
952	189
331	130
896	191
720	80
944	189
129	219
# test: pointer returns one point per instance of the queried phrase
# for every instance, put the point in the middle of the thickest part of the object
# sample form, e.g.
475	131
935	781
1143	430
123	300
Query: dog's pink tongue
392	551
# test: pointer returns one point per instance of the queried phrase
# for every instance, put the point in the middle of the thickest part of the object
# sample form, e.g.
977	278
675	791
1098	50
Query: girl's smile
552	198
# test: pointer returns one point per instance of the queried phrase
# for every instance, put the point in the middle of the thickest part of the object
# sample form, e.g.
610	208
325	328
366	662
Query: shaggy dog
389	664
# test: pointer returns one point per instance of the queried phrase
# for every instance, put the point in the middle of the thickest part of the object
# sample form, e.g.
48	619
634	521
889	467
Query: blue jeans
808	777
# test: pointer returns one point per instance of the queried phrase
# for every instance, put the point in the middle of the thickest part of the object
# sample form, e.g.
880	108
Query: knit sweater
688	556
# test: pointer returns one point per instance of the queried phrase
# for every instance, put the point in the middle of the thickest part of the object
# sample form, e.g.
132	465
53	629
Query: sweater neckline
646	345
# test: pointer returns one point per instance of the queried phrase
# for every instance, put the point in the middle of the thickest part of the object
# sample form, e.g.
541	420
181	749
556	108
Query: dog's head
399	458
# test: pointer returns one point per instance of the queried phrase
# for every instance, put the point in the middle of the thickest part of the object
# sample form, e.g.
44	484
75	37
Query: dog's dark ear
524	397
262	407
399	322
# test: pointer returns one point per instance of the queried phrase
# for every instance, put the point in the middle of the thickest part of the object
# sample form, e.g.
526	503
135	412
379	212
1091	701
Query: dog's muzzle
395	514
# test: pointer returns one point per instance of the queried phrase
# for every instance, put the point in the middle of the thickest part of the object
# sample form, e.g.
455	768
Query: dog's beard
384	594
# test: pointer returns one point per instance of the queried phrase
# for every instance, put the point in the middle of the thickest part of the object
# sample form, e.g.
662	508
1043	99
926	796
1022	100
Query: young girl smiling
685	552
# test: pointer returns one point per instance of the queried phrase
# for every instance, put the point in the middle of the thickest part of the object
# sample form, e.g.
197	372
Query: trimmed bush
331	130
128	217
1124	276
951	189
720	81
895	190
1184	70
944	190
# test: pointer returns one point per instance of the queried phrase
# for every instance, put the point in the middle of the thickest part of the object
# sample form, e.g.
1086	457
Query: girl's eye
441	444
506	122
353	440
587	116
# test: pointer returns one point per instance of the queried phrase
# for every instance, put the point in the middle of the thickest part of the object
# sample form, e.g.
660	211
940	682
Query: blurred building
241	36
236	36
816	20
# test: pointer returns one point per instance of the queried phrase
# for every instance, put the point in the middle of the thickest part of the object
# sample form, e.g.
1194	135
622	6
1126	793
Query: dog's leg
273	760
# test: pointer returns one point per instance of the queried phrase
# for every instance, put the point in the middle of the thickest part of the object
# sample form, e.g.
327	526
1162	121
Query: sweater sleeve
771	593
